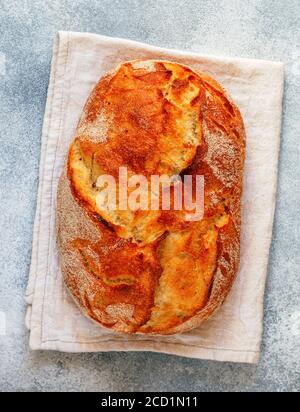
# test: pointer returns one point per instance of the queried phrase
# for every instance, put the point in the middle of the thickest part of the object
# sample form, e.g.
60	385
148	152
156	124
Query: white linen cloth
234	332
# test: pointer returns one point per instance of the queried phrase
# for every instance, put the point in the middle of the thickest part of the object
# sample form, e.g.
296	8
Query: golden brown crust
154	117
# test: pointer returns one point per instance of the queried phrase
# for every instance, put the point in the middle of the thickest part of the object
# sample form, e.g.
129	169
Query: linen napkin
234	332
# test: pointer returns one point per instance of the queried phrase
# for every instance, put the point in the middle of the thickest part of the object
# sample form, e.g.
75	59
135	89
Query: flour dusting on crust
97	130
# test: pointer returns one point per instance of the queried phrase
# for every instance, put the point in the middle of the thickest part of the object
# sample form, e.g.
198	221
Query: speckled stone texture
254	28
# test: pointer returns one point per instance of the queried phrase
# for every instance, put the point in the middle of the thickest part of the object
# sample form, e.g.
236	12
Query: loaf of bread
152	271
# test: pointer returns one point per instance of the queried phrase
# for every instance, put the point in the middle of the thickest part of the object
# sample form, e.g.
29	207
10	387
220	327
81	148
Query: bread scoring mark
172	150
188	260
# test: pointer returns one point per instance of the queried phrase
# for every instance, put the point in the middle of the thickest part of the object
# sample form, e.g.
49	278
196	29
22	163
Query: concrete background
260	28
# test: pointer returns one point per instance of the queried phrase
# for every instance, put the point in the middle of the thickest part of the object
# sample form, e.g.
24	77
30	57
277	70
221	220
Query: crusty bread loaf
152	271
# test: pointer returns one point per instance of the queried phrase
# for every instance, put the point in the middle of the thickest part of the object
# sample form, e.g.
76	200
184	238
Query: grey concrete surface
254	28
